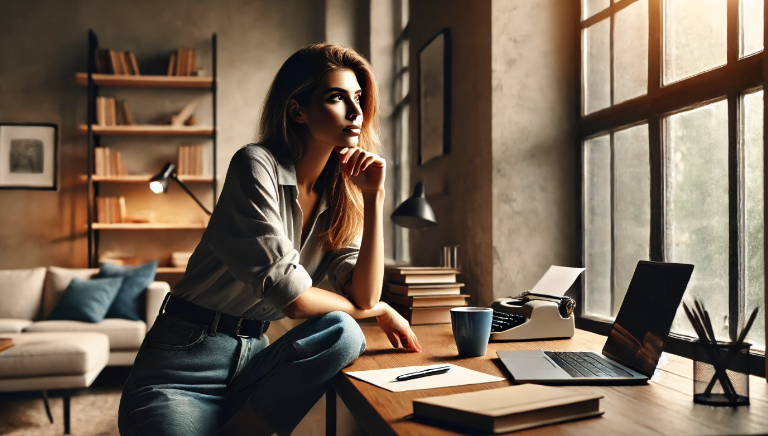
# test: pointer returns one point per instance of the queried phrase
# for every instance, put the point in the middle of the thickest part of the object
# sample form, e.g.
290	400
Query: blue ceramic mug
471	329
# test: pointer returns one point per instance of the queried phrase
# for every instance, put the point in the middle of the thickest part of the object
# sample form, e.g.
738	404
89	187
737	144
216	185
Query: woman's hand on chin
366	170
397	329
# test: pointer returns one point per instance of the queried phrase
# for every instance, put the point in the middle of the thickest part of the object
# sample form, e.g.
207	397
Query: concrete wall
458	184
535	66
43	44
505	193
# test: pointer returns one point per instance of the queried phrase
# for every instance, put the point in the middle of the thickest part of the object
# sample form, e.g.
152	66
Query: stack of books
183	63
424	295
108	162
110	210
190	161
116	62
111	112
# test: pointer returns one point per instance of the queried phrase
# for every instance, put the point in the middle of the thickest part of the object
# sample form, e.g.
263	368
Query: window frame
737	77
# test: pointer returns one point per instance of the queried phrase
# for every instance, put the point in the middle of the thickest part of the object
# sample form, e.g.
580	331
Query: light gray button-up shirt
250	261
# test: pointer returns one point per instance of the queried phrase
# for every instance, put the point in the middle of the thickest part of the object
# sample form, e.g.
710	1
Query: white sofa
27	296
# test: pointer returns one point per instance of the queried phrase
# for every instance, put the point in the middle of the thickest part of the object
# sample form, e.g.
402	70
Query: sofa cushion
131	300
123	334
11	325
21	291
56	282
49	354
86	300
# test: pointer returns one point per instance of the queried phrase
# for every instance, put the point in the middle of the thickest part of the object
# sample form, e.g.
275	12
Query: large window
672	153
401	164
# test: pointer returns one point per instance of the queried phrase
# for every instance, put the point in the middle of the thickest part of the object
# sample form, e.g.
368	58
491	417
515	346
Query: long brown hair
299	76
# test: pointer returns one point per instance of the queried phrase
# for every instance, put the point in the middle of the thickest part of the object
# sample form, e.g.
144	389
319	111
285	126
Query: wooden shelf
146	81
147	130
148	226
143	178
171	269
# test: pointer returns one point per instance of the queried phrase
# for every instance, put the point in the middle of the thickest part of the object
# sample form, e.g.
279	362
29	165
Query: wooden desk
663	406
5	344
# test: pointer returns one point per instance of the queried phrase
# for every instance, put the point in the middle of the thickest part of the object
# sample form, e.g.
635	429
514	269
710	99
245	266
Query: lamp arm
186	189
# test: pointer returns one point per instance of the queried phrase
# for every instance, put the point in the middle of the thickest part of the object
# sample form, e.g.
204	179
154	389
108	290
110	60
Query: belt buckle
239	326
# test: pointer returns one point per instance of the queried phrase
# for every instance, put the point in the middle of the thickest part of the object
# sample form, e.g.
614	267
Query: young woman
292	210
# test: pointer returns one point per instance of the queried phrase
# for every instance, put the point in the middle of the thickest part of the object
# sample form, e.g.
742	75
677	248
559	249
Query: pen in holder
720	369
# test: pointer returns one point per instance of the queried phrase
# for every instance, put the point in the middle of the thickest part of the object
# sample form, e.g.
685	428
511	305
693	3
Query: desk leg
330	412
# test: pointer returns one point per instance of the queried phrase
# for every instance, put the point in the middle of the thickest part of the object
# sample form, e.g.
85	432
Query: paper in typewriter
557	281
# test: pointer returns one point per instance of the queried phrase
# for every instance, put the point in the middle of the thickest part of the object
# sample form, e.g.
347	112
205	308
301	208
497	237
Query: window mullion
655	39
656	159
613	225
735	294
733	31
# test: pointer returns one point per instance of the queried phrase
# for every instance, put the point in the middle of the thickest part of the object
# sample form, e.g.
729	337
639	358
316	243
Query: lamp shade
159	183
415	212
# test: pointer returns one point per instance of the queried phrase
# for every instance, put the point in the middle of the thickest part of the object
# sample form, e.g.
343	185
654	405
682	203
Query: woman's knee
351	341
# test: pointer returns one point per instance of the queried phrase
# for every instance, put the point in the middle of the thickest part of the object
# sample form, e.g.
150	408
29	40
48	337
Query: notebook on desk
634	346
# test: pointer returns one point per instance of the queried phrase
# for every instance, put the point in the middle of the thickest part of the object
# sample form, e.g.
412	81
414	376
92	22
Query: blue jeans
186	382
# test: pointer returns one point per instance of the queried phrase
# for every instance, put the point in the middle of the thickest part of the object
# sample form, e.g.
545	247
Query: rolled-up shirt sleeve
246	232
342	265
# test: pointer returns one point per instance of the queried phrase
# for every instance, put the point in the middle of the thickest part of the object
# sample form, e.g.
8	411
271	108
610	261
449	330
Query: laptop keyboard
505	321
580	365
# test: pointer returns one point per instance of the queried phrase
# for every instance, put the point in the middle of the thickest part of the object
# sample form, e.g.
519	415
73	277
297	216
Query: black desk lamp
159	183
415	212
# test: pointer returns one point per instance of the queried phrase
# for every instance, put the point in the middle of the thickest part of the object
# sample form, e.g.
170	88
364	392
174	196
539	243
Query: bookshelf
94	133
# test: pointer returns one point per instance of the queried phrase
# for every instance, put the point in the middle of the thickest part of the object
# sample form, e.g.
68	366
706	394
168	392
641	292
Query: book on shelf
110	210
510	408
116	62
417	290
428	300
190	160
183	62
111	112
421	274
107	162
424	315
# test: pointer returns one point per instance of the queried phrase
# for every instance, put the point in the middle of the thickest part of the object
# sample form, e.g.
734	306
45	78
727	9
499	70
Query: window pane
632	206
695	37
597	66
597	225
591	7
751	26
630	48
753	215
696	203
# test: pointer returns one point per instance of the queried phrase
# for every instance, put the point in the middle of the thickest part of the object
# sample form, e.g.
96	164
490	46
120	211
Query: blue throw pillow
86	300
131	301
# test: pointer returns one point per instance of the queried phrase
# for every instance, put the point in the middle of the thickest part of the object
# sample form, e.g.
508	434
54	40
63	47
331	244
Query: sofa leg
66	397
47	405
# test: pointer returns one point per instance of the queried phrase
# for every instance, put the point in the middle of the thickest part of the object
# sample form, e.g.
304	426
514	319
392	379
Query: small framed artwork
434	82
29	156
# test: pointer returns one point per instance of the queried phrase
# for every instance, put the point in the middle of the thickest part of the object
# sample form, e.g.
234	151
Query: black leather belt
216	321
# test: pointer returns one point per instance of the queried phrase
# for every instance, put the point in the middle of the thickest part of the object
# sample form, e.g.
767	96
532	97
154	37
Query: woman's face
334	115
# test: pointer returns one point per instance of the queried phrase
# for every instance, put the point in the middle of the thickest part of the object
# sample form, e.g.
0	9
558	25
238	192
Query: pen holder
721	373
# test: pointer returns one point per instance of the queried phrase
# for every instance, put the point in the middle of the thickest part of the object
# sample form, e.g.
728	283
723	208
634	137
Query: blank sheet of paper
456	376
557	280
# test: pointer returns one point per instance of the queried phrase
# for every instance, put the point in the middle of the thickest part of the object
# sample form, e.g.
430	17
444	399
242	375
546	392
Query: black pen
424	373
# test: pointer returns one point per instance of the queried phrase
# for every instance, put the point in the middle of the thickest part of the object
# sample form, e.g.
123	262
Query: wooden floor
663	406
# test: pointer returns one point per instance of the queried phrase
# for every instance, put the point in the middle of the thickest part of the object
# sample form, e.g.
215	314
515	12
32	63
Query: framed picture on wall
29	156
434	86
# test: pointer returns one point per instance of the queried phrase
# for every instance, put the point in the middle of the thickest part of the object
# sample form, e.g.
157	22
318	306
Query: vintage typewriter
543	313
532	316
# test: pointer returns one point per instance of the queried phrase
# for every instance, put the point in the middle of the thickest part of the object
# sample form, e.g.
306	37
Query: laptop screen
642	325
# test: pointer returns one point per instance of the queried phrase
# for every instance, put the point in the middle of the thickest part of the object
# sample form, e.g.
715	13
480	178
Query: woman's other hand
366	170
398	330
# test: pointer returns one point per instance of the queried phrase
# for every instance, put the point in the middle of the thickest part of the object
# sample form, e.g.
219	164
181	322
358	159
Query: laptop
633	348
